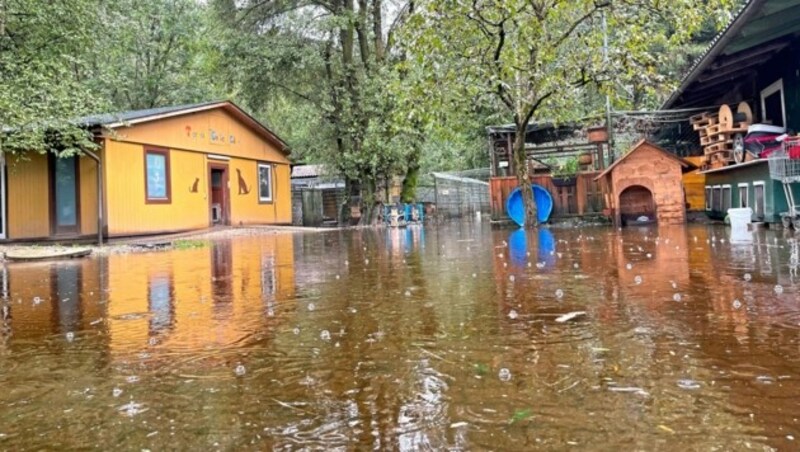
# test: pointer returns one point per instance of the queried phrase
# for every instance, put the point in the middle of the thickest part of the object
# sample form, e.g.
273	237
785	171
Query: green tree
542	57
42	50
156	53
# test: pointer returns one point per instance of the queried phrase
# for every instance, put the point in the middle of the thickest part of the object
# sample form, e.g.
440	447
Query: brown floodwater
445	337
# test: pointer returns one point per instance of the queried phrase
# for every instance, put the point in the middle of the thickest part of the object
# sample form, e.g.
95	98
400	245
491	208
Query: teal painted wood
774	199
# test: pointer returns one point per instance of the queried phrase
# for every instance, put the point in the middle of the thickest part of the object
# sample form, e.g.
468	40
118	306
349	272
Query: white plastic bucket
740	218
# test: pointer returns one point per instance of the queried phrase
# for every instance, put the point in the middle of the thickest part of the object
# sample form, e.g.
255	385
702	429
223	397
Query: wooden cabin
753	65
160	170
645	185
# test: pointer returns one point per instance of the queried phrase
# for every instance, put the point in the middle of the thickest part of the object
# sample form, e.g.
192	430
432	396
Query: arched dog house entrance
636	205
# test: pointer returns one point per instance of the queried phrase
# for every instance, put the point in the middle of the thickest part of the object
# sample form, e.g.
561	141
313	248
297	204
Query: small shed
646	182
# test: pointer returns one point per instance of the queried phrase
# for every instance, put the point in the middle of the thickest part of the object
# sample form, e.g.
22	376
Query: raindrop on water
70	336
637	279
676	297
747	276
737	304
512	315
778	289
504	374
325	335
312	306
240	370
559	293
296	331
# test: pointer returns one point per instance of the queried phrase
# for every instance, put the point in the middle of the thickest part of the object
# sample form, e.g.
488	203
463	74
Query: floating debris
747	277
504	374
312	306
512	315
676	297
637	279
132	409
737	304
688	384
778	289
569	316
559	293
116	392
325	335
629	266
70	336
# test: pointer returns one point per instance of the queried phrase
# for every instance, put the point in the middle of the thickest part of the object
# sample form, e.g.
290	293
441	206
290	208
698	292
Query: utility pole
609	125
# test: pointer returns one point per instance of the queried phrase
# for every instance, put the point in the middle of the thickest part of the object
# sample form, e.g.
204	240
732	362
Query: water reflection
395	339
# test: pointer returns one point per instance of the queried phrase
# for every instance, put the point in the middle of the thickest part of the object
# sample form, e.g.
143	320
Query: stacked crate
717	131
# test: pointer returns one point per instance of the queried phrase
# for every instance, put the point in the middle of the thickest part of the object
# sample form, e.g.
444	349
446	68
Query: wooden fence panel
585	197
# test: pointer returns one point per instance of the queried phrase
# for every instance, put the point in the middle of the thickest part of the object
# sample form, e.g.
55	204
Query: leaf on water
520	415
481	369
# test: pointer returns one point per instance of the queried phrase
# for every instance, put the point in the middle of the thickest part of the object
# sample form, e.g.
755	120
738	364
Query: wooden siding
245	205
88	170
28	196
128	213
207	132
585	197
694	185
652	168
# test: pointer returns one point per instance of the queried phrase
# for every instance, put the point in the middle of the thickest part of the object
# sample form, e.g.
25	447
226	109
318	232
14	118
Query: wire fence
456	194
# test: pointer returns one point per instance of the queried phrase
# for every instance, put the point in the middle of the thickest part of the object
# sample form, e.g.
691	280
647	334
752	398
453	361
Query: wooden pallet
720	146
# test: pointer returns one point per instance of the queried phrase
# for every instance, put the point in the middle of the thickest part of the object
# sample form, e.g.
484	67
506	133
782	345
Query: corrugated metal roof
131	115
301	171
755	35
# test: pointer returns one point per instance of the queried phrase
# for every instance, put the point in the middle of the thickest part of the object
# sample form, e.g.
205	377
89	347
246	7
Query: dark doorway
635	204
65	204
218	194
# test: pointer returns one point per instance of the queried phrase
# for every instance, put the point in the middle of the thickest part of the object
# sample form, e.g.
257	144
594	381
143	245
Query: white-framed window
708	197
264	182
744	195
759	199
716	198
773	106
727	200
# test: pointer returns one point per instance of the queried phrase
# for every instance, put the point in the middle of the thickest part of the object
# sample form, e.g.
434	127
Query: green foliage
564	168
42	51
186	244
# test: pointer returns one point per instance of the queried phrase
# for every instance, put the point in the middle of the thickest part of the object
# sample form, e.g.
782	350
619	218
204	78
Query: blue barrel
516	210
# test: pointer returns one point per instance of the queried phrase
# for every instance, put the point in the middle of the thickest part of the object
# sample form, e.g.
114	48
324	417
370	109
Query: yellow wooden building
161	170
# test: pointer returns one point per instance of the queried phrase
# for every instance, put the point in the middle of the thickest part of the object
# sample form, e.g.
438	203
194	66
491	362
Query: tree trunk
409	191
523	178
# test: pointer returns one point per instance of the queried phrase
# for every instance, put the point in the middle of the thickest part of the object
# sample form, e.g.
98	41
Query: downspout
96	158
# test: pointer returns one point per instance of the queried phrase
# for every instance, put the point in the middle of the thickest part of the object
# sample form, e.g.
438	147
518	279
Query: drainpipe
96	158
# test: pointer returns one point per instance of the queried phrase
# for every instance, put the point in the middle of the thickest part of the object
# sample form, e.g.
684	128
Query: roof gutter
722	41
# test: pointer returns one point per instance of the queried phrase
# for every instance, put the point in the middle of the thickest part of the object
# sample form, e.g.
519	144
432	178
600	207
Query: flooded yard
447	337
